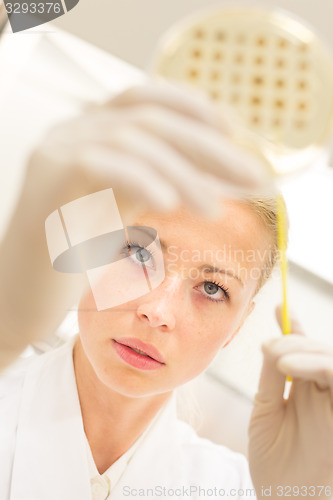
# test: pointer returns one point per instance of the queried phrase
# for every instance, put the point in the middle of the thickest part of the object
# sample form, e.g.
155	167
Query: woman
95	418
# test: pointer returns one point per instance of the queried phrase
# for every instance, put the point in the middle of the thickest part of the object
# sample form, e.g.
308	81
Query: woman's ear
247	313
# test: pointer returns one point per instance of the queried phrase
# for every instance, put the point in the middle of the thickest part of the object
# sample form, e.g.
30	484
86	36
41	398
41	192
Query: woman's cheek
214	325
86	313
207	311
202	328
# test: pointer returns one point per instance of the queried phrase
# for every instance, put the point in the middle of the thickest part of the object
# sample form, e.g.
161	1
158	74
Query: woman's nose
159	307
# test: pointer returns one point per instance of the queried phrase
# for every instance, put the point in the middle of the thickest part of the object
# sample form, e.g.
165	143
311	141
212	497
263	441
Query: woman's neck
112	421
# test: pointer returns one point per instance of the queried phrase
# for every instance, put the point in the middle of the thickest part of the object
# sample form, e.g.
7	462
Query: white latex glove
291	442
156	146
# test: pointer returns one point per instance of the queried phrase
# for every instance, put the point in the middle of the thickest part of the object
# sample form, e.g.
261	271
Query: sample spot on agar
302	85
259	60
303	65
261	41
279	103
302	106
280	63
300	124
258	80
215	95
220	36
255	120
199	34
239	58
215	76
279	83
218	56
197	53
235	98
235	78
193	73
256	100
282	43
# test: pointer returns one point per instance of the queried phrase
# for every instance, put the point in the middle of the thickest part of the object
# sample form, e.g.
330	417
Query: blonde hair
267	210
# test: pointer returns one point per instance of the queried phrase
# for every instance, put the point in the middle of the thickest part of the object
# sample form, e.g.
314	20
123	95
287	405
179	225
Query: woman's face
211	273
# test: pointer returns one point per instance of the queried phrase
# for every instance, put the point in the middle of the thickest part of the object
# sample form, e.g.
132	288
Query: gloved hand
156	146
291	441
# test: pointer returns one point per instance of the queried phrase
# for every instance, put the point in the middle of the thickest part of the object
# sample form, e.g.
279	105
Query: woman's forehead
238	226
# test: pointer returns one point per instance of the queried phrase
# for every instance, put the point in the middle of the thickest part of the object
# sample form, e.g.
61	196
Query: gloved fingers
272	379
273	376
137	179
117	132
103	126
271	385
191	103
198	191
200	145
309	366
294	343
206	148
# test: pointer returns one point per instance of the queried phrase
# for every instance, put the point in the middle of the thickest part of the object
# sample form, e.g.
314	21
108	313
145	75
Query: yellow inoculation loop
282	244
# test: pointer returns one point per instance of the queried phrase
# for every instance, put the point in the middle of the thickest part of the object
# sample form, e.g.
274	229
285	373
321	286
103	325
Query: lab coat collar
50	458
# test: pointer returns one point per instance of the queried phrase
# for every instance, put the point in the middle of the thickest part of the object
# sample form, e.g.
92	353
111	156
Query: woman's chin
128	385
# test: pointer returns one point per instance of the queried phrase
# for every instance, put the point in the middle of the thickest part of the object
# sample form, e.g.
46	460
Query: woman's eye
213	291
140	255
211	288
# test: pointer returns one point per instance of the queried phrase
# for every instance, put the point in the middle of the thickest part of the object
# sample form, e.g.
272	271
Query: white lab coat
43	447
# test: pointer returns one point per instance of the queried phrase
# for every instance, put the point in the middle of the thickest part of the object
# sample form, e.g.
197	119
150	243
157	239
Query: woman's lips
133	358
148	349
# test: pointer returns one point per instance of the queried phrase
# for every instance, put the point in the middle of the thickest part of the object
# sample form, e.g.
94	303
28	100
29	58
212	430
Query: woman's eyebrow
144	230
208	268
